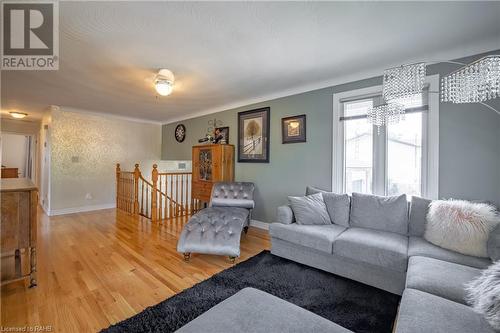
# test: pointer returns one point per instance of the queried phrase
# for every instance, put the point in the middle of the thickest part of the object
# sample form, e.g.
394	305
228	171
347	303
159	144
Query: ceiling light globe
18	115
164	87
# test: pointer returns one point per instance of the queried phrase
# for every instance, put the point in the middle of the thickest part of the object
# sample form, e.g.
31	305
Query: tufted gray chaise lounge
217	229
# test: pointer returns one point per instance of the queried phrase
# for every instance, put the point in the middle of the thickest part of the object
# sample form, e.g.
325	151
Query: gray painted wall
469	147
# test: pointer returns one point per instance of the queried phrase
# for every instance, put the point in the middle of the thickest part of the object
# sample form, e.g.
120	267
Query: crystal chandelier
399	83
474	83
403	81
381	115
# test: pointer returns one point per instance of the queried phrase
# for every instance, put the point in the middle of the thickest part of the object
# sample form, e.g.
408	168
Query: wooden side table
18	224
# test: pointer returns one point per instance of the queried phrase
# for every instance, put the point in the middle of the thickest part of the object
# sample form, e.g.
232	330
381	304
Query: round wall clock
180	132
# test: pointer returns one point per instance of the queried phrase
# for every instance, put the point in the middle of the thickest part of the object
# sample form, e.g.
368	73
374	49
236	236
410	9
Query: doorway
18	155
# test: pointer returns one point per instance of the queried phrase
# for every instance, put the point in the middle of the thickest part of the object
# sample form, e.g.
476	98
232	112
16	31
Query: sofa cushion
420	247
380	213
494	244
338	207
421	312
319	237
313	190
253	311
378	248
310	209
418	216
440	278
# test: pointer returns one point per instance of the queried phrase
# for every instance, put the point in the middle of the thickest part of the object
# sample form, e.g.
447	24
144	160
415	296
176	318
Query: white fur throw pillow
483	294
461	226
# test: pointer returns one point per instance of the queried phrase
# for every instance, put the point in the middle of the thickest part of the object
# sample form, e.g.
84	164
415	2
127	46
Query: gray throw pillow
483	295
380	213
310	209
337	205
313	190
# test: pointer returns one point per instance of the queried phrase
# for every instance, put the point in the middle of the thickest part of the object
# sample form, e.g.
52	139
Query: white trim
259	224
44	209
82	209
108	115
338	134
457	53
430	168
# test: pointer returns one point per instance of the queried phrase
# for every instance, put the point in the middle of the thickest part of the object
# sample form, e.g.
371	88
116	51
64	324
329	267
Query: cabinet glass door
205	158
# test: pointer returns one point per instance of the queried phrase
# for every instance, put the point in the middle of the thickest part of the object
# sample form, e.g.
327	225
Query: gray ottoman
254	311
214	230
217	229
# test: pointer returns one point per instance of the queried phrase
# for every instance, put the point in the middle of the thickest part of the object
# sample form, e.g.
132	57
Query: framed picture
221	135
253	135
293	129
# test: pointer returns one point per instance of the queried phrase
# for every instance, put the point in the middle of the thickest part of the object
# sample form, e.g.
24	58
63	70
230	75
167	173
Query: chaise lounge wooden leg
245	229
187	256
232	259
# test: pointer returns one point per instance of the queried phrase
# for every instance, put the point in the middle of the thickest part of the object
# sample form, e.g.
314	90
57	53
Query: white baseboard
259	224
82	209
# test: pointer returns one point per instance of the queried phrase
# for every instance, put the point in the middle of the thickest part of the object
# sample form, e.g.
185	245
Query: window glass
358	149
404	156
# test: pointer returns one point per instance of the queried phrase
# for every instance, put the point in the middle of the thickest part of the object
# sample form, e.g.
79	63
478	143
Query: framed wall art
221	135
253	135
293	129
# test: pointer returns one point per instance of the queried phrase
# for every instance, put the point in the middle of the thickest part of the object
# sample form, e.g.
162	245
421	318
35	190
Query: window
401	158
358	142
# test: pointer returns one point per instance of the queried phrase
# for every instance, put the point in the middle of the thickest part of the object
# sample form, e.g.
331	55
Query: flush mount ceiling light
18	115
164	82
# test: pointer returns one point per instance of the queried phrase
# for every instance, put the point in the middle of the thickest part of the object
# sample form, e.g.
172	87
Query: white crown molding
259	224
82	209
108	115
483	46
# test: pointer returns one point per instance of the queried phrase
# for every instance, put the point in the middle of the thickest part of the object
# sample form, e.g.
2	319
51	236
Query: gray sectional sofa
374	240
383	246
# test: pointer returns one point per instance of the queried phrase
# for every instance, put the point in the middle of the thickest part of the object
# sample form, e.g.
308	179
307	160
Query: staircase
167	195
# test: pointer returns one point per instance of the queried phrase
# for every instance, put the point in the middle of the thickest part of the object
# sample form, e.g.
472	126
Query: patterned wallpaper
84	151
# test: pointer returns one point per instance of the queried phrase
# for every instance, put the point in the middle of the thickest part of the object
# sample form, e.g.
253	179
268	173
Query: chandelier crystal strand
385	114
475	83
403	81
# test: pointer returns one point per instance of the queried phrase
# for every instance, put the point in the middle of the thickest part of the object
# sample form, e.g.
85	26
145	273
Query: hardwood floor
97	268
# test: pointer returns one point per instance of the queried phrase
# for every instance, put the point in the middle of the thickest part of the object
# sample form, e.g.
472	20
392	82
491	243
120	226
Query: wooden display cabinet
212	163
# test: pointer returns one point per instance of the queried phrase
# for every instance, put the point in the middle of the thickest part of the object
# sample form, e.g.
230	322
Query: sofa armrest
285	215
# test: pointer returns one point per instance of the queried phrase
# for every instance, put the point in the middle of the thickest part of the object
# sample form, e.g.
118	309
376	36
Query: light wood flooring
97	268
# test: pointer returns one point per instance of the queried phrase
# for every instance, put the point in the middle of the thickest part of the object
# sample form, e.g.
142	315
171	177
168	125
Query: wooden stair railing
167	195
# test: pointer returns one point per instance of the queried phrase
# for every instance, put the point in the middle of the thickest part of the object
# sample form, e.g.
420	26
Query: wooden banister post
117	184
154	195
137	174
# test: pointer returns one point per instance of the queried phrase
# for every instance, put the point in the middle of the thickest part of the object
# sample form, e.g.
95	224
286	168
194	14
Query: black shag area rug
351	304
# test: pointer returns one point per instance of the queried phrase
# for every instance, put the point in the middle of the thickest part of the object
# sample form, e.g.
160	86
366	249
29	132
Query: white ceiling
228	54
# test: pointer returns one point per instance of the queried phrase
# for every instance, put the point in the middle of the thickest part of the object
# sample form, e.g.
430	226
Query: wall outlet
75	159
88	196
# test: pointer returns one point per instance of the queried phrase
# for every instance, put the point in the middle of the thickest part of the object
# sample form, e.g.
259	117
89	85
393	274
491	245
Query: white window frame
430	140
